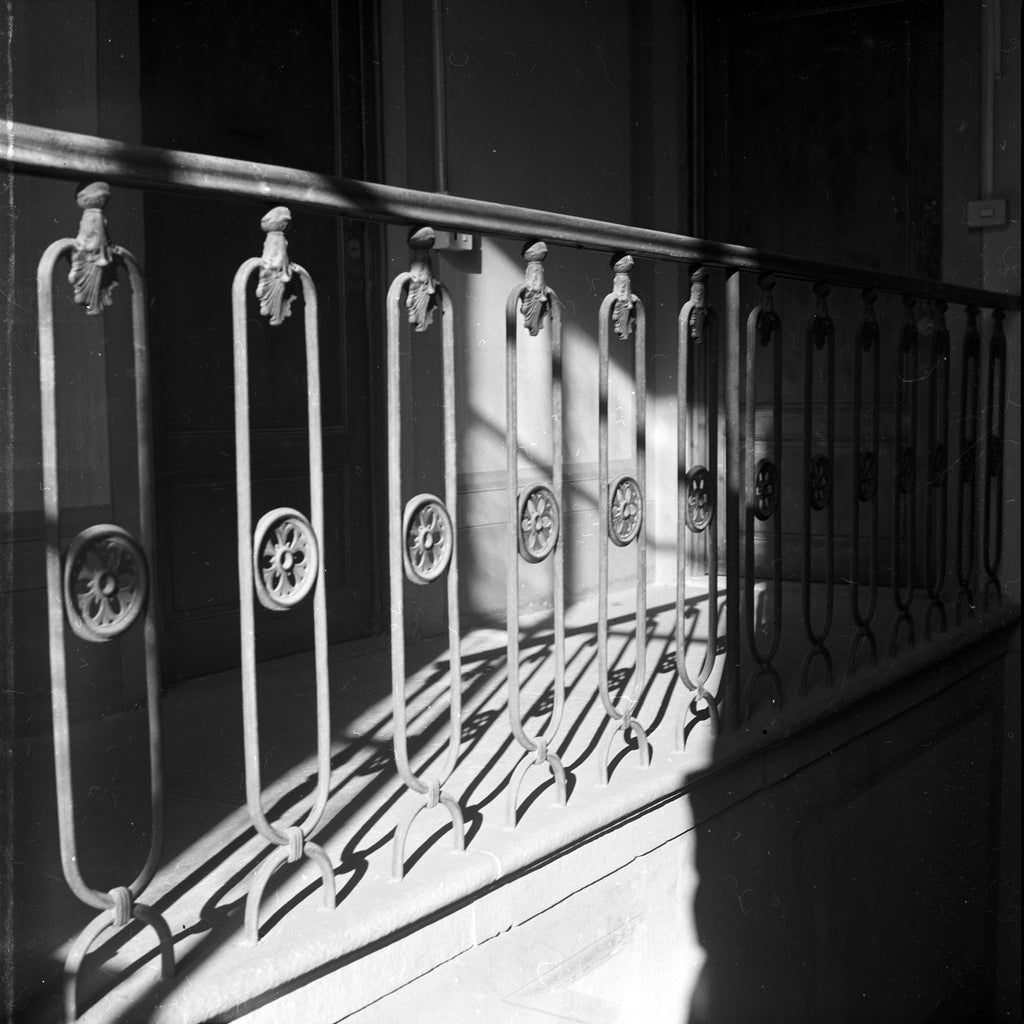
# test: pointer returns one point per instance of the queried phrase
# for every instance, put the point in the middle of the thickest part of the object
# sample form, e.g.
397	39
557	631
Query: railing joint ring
433	793
122	905
296	843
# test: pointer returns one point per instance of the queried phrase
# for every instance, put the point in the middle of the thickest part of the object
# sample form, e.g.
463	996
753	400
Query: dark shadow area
856	880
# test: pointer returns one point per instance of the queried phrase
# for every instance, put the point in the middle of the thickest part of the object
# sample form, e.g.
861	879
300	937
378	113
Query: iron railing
740	499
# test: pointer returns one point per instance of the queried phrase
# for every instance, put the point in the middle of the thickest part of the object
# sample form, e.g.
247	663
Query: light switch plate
986	213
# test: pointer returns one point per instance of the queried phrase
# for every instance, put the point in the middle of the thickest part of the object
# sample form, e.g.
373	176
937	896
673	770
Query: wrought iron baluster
534	519
865	479
936	513
733	485
281	562
103	583
621	509
967	491
904	494
422	539
995	432
697	486
819	471
763	488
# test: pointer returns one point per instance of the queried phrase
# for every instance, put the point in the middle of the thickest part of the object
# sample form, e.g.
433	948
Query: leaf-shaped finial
869	331
92	264
909	335
998	334
534	302
275	267
419	299
622	312
939	309
699	310
822	328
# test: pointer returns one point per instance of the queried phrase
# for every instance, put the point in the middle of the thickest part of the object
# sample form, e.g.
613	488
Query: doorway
821	130
216	80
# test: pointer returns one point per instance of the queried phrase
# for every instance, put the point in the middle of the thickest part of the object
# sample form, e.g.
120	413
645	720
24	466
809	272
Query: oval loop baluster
281	561
967	483
697	499
936	512
534	520
763	481
995	432
103	584
864	479
818	472
904	495
620	510
420	295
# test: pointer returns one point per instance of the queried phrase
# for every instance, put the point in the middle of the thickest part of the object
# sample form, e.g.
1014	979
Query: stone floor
211	850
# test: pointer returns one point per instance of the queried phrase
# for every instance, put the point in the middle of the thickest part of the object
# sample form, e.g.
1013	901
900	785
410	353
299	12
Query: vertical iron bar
280	562
818	481
904	501
534	519
734	477
995	432
967	489
865	480
121	587
621	508
422	539
697	489
936	513
762	480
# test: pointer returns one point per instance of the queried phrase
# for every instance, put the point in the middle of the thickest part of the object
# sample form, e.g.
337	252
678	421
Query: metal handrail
73	155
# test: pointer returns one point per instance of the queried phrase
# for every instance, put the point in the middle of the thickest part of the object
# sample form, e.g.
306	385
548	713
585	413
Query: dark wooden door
822	130
287	91
821	137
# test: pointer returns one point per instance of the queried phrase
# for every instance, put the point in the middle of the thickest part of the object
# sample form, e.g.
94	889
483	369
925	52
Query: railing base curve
936	607
965	599
763	672
88	937
280	856
819	650
863	635
625	726
904	617
526	762
402	830
691	718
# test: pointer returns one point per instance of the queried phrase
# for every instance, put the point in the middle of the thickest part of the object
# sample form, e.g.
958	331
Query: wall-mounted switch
986	213
453	241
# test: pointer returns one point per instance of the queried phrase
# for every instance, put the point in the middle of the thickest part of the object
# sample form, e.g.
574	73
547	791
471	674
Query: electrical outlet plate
454	241
986	213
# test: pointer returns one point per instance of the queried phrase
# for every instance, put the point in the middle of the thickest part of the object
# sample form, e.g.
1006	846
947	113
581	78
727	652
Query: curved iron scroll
817	474
865	480
763	483
627	311
533	520
271	556
697	485
92	584
419	294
